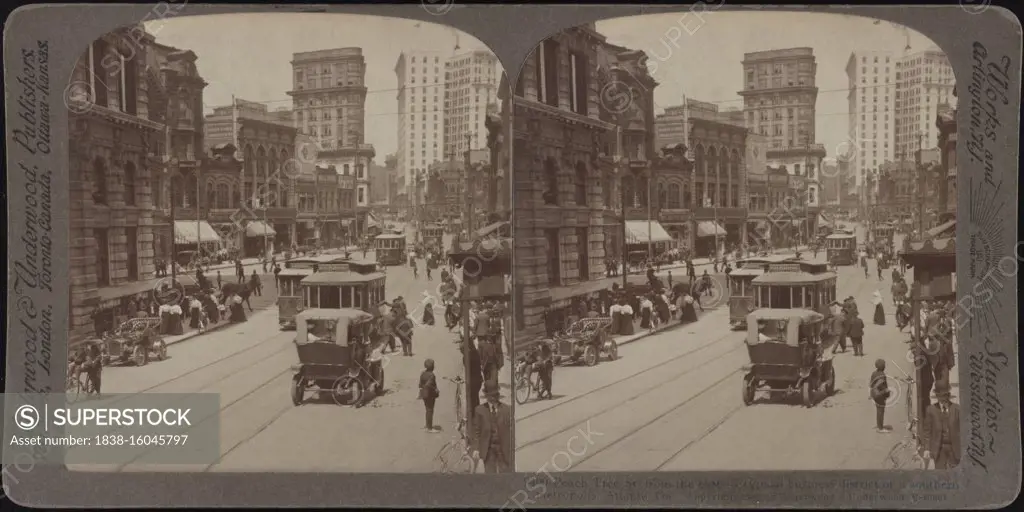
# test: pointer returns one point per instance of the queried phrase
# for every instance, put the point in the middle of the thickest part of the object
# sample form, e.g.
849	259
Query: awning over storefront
943	230
643	231
706	228
190	232
258	229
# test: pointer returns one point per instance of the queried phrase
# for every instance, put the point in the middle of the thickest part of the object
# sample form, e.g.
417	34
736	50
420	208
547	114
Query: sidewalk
706	262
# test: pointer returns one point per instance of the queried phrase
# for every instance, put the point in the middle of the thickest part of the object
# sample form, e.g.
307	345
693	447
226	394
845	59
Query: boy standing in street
429	394
879	394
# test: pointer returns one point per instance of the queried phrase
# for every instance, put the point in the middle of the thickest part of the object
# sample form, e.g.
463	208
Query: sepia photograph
734	246
308	215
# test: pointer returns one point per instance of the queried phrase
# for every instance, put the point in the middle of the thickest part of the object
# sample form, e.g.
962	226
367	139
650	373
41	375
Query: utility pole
470	206
172	162
921	186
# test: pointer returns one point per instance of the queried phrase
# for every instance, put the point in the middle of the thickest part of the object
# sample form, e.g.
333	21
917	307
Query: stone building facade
116	149
558	201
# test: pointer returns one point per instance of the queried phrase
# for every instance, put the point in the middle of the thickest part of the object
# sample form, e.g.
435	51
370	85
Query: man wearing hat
941	429
492	440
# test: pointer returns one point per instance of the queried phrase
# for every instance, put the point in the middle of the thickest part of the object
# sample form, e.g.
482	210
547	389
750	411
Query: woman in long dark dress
627	318
236	308
428	314
661	307
646	311
615	310
688	310
876	298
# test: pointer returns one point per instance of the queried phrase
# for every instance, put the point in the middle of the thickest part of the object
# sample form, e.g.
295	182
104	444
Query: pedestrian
876	299
254	284
429	394
277	276
492	432
838	329
263	263
546	371
219	282
879	386
941	432
864	264
856	333
705	283
240	271
415	268
669	279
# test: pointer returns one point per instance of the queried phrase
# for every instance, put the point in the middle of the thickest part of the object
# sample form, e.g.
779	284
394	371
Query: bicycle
905	451
77	382
456	456
527	382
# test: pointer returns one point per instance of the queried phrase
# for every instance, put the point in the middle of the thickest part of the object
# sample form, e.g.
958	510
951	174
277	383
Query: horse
242	289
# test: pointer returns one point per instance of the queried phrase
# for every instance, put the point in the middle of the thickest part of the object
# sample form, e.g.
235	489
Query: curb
218	327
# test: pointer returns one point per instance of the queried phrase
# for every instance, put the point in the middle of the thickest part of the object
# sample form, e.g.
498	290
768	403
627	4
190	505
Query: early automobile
586	340
126	342
788	355
337	355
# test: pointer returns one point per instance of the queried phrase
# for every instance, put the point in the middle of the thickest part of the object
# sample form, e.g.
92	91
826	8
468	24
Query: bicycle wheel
524	387
460	413
446	454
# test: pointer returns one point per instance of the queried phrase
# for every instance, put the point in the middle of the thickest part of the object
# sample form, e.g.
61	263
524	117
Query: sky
704	62
248	55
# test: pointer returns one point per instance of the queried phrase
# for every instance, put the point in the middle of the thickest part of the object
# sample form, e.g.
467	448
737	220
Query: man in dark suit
941	430
492	432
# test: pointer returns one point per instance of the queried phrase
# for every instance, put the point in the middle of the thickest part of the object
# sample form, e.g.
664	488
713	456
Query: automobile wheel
613	350
138	355
807	392
298	390
590	355
523	389
348	391
749	386
830	383
161	353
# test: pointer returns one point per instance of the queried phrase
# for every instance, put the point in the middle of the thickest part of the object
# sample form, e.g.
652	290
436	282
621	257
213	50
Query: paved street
249	365
672	402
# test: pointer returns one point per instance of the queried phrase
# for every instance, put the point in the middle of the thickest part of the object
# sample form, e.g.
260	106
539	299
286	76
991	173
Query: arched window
674	196
289	171
581	184
662	196
211	195
191	191
250	160
261	164
99	181
129	183
223	195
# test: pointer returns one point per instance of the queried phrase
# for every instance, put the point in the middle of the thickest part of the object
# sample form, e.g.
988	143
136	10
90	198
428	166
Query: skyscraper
871	124
329	101
924	80
421	93
471	85
779	97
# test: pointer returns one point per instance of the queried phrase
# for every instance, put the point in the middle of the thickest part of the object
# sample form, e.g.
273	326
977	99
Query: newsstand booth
486	266
934	264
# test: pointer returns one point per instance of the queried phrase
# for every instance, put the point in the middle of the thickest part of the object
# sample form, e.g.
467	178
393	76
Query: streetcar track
623	379
674	377
707	432
650	422
220	411
859	289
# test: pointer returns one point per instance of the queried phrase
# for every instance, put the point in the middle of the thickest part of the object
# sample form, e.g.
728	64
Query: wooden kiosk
486	265
934	263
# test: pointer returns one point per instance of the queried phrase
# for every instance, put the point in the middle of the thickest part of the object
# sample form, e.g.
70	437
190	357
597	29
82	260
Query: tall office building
871	125
924	80
471	85
421	96
329	103
779	97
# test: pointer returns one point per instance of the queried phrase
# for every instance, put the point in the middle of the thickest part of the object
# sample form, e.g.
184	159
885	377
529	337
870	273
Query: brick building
117	148
558	200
